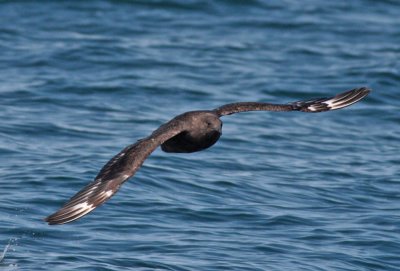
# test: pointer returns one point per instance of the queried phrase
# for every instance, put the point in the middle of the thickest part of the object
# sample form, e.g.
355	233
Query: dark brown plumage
189	132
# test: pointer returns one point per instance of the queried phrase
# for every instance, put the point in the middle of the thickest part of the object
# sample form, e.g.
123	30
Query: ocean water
80	80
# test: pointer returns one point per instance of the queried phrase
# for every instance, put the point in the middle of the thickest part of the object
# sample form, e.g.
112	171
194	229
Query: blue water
79	80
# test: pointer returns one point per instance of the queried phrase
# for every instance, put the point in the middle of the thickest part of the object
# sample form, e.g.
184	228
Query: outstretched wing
117	171
315	105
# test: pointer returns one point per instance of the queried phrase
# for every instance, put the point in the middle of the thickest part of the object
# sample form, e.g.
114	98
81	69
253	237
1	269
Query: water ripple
279	191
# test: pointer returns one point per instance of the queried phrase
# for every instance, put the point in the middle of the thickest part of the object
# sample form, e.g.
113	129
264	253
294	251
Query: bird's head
210	123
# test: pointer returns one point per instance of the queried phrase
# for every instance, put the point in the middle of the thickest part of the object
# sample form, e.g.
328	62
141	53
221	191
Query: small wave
2	256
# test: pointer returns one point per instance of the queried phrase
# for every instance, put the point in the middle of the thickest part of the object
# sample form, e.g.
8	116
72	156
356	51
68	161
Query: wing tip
66	215
54	219
347	98
361	90
338	101
51	221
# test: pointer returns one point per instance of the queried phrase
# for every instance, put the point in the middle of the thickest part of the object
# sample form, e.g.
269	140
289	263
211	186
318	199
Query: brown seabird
189	132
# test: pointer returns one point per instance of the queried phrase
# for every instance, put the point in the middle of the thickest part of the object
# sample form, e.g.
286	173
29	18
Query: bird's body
203	129
189	132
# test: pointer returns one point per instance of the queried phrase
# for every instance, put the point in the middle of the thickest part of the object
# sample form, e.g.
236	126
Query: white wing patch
103	195
312	108
82	206
334	104
329	103
126	176
109	193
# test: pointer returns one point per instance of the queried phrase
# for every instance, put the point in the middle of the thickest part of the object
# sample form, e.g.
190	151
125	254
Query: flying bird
189	132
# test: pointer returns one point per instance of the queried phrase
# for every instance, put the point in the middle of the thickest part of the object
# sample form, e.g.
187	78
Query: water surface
279	191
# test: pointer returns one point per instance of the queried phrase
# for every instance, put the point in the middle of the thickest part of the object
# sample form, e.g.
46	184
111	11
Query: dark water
79	80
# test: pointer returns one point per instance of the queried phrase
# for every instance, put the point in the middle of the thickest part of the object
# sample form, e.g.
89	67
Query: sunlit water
80	80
